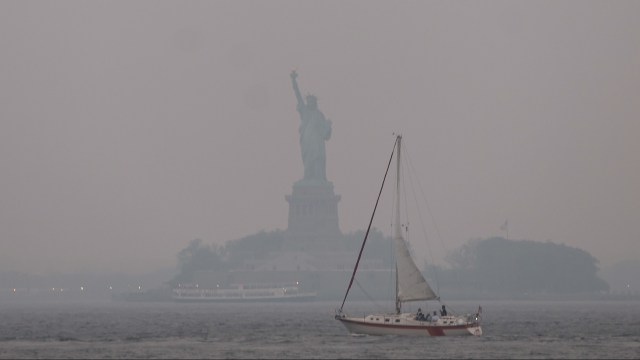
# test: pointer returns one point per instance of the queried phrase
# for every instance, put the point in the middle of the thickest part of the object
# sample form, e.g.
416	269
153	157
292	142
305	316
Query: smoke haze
127	129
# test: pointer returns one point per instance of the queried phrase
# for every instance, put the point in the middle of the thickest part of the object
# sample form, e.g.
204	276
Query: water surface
517	329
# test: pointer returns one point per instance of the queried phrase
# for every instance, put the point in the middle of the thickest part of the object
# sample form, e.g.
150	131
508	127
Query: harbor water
111	329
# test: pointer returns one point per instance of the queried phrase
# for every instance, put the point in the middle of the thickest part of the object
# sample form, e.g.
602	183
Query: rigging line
391	260
411	176
406	212
406	238
413	171
392	253
355	268
368	296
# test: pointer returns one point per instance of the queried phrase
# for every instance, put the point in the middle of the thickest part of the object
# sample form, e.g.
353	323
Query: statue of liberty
314	130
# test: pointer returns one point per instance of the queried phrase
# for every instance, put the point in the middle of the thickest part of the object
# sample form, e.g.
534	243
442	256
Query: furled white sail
411	284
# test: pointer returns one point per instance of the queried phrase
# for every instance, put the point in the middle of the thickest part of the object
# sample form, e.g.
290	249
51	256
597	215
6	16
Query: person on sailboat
443	312
420	315
435	316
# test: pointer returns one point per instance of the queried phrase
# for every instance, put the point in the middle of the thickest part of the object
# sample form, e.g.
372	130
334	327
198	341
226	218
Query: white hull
405	324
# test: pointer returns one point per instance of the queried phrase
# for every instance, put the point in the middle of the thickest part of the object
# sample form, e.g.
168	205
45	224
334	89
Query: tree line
525	266
493	264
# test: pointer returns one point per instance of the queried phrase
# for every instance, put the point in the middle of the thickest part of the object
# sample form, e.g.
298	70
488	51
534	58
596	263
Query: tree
501	265
196	257
252	247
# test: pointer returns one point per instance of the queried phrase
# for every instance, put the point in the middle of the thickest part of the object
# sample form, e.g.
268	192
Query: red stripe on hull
408	329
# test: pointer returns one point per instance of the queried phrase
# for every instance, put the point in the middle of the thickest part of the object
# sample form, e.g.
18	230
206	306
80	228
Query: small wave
358	335
67	338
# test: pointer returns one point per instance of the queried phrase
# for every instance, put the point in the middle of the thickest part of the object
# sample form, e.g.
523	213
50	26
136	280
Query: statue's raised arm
294	75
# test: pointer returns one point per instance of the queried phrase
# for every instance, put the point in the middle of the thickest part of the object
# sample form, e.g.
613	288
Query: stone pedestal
313	216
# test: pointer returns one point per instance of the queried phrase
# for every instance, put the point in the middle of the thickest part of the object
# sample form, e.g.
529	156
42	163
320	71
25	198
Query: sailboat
411	286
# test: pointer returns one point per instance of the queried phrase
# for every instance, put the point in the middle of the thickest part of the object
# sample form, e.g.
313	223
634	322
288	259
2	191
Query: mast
398	233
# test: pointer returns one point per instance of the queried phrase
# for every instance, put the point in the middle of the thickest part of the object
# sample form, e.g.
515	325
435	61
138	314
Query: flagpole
505	227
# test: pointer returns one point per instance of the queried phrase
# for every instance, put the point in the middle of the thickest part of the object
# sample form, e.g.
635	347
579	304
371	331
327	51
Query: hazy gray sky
129	128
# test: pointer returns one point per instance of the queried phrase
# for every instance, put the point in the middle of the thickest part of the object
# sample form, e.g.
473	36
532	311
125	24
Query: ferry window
377	319
386	320
397	320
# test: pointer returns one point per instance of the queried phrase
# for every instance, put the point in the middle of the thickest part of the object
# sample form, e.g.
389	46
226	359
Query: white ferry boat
242	293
